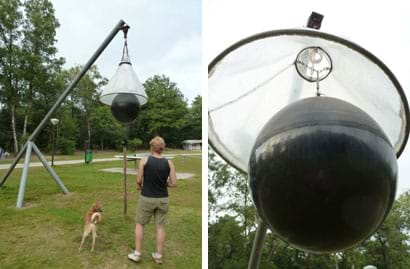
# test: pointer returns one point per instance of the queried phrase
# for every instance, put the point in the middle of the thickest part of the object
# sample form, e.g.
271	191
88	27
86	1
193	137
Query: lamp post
54	122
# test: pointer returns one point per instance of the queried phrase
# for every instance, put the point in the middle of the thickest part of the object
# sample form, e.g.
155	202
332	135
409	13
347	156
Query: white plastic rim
125	80
256	77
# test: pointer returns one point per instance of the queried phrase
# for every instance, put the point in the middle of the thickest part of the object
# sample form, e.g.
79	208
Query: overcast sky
165	37
383	29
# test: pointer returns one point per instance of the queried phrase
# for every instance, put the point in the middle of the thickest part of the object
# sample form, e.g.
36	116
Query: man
155	175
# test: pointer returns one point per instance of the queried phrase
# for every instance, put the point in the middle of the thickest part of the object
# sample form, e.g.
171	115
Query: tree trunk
383	248
102	144
13	129
336	261
89	133
25	125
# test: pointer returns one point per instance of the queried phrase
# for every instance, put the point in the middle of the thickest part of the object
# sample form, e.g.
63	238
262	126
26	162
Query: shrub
66	146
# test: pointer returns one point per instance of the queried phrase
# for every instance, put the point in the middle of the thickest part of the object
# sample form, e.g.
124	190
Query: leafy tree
40	65
226	244
106	129
10	60
164	114
194	121
86	96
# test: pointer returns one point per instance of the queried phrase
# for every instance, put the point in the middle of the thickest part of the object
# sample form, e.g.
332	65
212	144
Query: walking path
131	171
38	164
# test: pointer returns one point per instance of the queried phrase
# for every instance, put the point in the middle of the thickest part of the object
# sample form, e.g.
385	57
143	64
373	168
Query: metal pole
124	152
53	145
120	25
23	180
257	245
14	163
49	169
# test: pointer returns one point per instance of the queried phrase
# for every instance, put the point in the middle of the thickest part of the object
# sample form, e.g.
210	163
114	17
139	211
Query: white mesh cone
255	78
125	80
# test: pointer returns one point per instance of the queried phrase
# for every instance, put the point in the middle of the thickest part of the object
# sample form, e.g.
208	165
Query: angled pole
23	180
13	164
120	26
258	245
49	169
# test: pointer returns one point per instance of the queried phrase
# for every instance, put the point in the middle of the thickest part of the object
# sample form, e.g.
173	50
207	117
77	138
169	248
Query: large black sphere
322	174
125	107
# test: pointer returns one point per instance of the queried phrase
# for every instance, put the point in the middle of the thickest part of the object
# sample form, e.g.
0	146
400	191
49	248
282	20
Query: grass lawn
47	232
79	155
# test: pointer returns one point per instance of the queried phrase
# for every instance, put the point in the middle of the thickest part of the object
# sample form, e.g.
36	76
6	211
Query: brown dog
92	217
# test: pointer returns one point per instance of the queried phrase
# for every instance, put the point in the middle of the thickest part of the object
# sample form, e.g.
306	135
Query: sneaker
157	258
134	257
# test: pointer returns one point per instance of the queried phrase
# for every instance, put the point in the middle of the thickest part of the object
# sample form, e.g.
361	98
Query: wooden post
124	150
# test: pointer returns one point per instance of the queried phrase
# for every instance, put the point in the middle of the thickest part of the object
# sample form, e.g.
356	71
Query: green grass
79	155
46	233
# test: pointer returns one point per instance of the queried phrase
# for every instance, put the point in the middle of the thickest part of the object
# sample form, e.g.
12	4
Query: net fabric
125	80
255	78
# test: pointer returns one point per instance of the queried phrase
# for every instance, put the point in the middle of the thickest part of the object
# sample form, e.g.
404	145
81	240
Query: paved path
131	171
38	164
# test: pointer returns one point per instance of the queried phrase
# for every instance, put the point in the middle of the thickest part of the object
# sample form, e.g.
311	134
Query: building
192	144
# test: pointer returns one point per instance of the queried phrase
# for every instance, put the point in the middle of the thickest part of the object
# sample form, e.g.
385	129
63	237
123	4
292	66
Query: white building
192	144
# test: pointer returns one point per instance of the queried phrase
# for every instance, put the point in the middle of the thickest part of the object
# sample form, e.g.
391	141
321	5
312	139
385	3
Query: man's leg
160	233
139	235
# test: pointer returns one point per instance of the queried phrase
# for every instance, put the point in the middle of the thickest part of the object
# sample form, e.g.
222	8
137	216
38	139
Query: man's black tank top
156	172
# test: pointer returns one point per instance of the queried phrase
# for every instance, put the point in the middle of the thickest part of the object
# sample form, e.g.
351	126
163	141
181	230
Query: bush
66	146
134	144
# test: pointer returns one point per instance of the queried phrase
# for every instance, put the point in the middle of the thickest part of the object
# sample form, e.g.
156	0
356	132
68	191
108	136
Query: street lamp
54	122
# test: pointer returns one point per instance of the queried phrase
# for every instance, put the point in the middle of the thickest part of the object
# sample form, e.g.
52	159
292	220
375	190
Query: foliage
164	114
66	146
134	144
32	78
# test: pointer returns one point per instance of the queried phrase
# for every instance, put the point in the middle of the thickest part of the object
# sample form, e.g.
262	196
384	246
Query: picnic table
138	156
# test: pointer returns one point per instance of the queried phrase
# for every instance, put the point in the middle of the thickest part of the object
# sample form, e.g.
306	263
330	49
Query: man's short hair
157	144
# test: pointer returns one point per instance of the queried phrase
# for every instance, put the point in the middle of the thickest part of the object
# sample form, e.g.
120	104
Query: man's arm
172	182
140	173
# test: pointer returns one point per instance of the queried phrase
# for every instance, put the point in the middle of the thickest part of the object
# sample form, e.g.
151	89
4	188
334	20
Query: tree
86	96
164	114
10	60
194	121
226	244
106	129
40	64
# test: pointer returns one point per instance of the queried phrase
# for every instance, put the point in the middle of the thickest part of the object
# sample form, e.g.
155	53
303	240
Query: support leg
49	169
257	245
23	180
16	160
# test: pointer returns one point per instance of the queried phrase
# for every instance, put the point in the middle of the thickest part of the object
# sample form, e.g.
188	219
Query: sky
164	38
383	28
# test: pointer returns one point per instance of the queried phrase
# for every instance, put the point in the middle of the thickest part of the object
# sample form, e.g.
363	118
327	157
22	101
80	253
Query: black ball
322	175
125	107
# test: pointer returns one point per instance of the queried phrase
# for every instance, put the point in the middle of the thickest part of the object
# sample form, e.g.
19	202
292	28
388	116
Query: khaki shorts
148	206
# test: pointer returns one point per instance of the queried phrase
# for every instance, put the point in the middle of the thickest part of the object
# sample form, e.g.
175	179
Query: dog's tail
96	218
